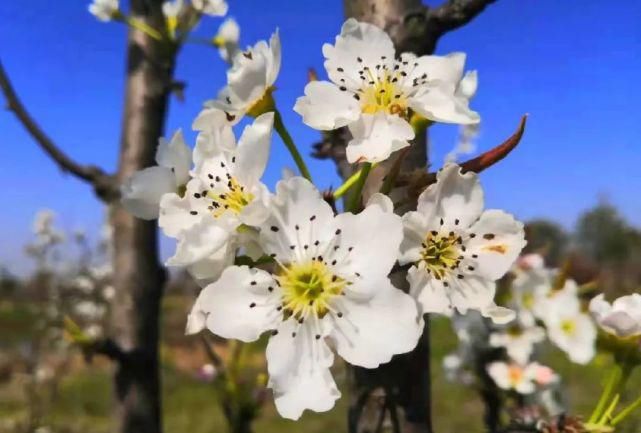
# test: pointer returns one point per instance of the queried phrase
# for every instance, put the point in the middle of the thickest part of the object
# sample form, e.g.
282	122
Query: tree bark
138	276
397	396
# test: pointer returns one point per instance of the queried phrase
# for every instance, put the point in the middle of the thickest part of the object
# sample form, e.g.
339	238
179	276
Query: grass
83	399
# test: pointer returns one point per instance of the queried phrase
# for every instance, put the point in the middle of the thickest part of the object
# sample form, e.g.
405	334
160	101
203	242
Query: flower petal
376	136
298	365
498	242
431	294
298	215
253	150
441	103
456	198
372	331
199	241
176	156
141	193
239	305
357	40
325	107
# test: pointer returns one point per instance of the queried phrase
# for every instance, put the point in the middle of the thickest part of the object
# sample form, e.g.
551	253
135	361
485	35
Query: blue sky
568	64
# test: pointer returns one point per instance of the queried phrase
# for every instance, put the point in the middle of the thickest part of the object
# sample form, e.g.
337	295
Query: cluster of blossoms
548	308
181	17
288	263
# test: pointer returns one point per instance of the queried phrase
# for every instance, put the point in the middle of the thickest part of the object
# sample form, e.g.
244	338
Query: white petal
298	365
432	296
257	211
499	315
472	293
253	150
498	242
444	69
468	85
454	196
273	58
209	269
372	331
441	103
141	193
325	107
376	136
298	216
373	236
381	201
214	8
498	371
357	40
415	229
199	241
239	305
176	156
177	213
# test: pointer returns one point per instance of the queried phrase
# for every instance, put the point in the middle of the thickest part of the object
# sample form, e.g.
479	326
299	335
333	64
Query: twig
103	183
106	347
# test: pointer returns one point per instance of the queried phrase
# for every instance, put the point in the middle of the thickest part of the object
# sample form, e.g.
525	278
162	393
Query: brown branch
453	14
106	347
420	180
104	184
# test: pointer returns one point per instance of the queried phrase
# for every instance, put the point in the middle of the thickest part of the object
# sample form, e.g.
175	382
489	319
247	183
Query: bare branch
103	183
106	347
453	14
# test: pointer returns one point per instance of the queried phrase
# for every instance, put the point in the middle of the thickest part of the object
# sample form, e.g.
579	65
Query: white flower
522	379
458	250
329	283
374	94
227	39
171	10
569	328
142	192
518	343
215	8
225	192
104	10
529	291
250	81
622	318
469	132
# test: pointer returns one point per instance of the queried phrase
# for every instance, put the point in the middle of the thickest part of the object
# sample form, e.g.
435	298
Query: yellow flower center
264	104
308	289
568	326
441	253
383	95
234	199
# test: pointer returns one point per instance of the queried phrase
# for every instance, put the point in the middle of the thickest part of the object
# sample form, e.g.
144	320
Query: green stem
289	142
355	200
341	190
607	416
143	27
625	412
611	384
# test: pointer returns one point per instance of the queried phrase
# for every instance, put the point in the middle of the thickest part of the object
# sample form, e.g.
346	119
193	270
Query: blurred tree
548	239
605	236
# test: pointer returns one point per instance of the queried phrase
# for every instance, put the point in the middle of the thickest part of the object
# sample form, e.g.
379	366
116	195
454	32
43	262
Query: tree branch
104	184
453	14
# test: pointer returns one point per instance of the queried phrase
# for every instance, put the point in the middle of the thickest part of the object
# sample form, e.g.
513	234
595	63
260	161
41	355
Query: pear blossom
250	81
104	10
622	318
529	290
214	8
171	9
227	39
522	379
374	93
224	193
142	192
329	285
569	328
518	342
456	249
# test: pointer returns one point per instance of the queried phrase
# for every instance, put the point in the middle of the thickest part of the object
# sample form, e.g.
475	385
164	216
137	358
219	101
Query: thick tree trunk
395	396
138	275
